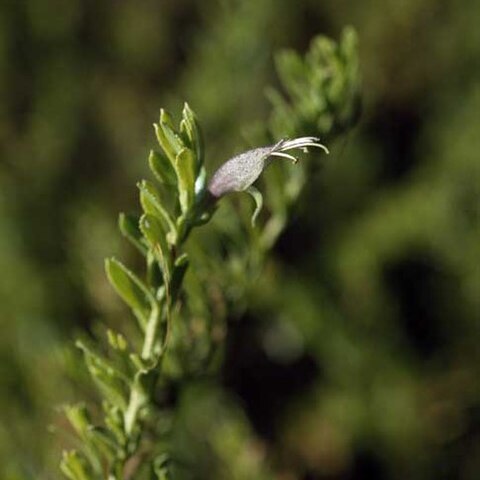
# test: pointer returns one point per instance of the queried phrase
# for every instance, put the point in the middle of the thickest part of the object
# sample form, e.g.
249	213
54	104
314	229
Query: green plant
132	371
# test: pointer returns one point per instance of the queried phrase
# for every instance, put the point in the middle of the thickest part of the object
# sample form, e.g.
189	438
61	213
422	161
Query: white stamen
284	155
301	142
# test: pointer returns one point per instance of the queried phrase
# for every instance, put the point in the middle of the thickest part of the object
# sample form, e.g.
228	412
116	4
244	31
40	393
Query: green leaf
117	341
74	466
170	142
258	198
166	118
78	417
190	128
100	362
111	381
95	437
128	225
151	204
155	234
114	421
104	441
132	290
163	142
162	168
185	167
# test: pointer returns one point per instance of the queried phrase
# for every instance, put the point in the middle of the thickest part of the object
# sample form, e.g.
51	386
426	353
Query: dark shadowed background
364	363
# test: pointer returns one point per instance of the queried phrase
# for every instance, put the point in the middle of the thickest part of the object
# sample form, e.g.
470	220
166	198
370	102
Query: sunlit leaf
132	290
162	168
155	234
128	225
185	166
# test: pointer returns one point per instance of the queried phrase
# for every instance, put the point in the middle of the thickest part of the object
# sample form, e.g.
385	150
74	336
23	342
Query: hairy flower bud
241	171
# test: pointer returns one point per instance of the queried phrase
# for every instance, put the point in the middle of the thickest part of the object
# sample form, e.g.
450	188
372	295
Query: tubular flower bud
240	172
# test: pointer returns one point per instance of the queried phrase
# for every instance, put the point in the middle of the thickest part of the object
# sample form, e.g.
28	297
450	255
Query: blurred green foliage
357	354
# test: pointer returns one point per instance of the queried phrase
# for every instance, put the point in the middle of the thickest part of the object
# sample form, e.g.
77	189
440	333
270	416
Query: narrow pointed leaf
185	167
107	367
78	417
192	130
128	225
162	168
151	204
132	290
103	441
167	138
155	234
114	421
163	142
172	141
74	466
112	383
117	341
113	390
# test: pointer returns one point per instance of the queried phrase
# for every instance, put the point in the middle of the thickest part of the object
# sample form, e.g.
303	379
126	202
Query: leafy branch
127	378
130	372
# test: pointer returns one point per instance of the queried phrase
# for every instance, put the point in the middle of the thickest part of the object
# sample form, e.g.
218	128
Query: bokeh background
361	360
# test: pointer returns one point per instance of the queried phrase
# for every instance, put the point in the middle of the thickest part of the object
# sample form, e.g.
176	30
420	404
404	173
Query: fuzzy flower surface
241	171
